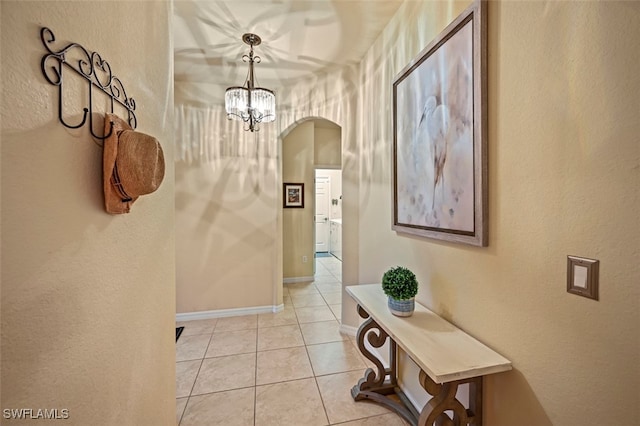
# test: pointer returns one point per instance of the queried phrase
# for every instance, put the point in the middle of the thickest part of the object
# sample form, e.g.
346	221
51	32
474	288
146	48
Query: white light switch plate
582	276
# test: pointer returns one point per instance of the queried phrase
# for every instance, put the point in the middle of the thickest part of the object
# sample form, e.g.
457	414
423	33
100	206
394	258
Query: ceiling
299	37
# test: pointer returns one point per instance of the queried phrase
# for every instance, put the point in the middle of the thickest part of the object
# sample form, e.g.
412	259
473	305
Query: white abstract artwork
434	145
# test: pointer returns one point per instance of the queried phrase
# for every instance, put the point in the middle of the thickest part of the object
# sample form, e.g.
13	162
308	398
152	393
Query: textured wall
297	223
563	180
229	216
88	299
227	210
327	150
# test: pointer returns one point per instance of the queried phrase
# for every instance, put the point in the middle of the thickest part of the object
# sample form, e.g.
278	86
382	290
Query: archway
309	144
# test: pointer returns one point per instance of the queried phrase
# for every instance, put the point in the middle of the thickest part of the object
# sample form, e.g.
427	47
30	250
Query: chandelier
251	104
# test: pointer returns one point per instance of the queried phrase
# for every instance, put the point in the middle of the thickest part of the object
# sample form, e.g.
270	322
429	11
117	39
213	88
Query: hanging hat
132	165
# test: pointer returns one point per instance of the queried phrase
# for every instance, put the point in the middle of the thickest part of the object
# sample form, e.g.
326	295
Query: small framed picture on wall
294	195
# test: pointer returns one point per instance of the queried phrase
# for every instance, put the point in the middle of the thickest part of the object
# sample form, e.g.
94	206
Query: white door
323	203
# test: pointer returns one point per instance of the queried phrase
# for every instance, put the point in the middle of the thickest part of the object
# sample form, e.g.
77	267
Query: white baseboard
348	330
407	392
296	280
220	313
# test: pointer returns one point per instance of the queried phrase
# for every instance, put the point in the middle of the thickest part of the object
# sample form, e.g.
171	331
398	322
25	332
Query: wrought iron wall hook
91	117
92	68
100	137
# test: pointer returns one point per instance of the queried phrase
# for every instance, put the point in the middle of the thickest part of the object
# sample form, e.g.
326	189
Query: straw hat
132	165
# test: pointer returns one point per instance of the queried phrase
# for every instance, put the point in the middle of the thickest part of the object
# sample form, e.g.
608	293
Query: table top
440	349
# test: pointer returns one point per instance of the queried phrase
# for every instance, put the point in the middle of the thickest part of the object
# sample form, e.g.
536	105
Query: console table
447	357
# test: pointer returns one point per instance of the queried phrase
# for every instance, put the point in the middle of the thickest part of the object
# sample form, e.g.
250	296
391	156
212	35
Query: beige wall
327	149
226	222
227	252
297	223
206	142
88	299
563	180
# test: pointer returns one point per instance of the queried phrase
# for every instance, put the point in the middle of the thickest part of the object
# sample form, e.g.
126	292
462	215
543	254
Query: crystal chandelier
253	105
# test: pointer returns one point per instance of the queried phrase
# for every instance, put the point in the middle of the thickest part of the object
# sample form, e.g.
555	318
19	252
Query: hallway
289	368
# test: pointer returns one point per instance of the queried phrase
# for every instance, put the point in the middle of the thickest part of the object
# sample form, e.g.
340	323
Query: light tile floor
289	368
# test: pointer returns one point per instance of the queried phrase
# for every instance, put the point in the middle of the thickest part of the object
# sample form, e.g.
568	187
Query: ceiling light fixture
251	104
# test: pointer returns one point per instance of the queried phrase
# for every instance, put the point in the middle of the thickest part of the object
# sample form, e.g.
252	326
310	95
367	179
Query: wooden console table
446	355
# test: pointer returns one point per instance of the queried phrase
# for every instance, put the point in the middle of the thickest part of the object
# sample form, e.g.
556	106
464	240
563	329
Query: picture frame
439	174
293	195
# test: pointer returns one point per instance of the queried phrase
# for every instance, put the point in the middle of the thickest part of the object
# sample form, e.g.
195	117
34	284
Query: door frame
315	207
316	168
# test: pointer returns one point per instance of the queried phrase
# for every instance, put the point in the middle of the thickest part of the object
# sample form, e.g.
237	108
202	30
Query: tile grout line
315	376
197	374
315	379
298	323
255	376
306	345
200	368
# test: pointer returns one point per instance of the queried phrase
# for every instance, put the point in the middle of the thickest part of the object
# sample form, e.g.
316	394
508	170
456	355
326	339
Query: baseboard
348	330
220	313
407	393
297	280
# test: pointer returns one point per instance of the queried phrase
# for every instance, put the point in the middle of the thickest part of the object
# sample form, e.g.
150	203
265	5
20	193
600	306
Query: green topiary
400	283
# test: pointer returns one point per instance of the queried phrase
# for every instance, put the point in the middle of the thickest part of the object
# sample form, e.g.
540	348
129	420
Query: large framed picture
439	136
294	195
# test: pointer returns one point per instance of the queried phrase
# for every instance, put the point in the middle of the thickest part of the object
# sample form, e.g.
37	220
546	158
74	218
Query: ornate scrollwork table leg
444	399
376	385
376	336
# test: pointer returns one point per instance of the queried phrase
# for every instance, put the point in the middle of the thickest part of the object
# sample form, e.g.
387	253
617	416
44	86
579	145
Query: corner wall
88	299
228	192
327	149
564	164
226	217
298	224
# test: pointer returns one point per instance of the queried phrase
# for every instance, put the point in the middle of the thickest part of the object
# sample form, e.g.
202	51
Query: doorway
310	145
322	215
328	213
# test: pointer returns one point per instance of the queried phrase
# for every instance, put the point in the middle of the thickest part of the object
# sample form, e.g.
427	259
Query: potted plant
401	285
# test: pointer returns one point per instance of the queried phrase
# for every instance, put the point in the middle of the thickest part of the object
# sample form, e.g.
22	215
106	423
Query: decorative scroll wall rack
95	70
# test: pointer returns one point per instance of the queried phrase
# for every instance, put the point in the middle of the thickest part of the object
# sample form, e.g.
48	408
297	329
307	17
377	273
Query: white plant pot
401	308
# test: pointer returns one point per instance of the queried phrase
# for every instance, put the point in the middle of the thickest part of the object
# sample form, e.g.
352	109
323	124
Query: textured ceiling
299	37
